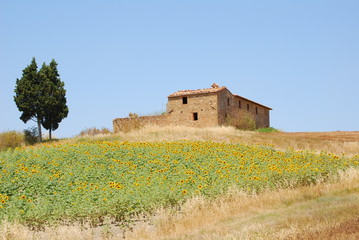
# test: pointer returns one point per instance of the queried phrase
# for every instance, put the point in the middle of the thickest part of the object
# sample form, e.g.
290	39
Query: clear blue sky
299	57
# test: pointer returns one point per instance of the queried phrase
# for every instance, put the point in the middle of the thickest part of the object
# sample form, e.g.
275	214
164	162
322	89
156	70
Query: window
247	107
239	104
228	101
195	116
184	100
256	110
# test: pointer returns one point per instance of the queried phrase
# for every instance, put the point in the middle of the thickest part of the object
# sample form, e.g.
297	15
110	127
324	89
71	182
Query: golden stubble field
325	209
338	142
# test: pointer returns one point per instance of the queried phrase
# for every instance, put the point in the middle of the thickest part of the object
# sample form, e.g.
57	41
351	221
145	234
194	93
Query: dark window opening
195	116
184	100
239	104
256	110
228	101
247	107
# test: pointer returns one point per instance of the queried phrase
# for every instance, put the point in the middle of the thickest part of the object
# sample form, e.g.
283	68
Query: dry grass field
339	142
325	210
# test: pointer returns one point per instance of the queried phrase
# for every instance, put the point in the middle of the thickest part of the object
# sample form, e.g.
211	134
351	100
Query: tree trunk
39	129
50	133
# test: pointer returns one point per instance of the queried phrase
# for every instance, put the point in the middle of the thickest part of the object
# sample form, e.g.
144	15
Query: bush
242	120
94	131
11	139
31	136
267	130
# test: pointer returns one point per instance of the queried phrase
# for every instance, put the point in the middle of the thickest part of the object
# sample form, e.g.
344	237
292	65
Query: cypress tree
40	96
55	108
29	95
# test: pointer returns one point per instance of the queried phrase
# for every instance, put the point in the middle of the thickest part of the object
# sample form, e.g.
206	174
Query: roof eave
253	102
194	94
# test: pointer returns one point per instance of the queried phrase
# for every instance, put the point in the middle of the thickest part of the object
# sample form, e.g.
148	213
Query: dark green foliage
40	96
30	136
267	130
26	89
29	95
55	108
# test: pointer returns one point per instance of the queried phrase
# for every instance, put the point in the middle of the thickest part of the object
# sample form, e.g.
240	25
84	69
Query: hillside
183	183
339	142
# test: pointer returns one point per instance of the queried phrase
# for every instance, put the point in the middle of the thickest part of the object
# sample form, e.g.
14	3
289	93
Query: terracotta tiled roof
198	91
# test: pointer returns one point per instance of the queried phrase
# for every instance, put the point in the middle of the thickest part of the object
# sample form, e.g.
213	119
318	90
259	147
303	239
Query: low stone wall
131	123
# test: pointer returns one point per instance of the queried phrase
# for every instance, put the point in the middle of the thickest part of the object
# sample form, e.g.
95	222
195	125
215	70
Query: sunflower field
91	181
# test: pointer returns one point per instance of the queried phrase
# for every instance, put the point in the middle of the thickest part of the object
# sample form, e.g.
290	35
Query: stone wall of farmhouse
193	110
200	110
131	123
225	106
229	106
261	117
260	113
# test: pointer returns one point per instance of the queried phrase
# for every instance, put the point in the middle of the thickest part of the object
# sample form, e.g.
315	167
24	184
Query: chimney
214	85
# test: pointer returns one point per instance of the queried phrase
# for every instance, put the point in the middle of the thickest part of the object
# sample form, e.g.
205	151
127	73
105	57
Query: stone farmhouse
207	107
